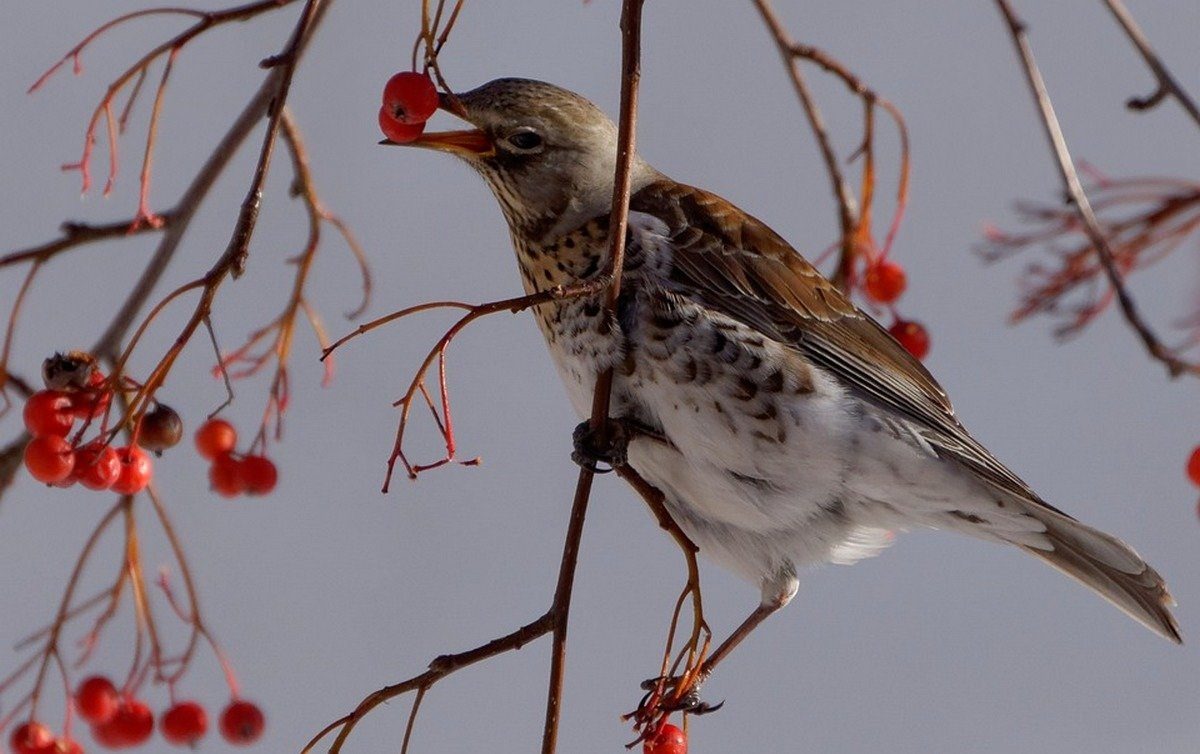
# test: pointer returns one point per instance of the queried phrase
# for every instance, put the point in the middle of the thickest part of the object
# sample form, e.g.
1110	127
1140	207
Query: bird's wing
734	264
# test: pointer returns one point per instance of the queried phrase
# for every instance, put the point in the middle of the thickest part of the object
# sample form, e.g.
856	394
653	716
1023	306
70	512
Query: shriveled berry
215	437
136	470
668	739
225	476
912	335
31	738
885	281
161	429
259	474
242	723
48	412
49	459
398	131
97	700
185	723
410	97
1193	466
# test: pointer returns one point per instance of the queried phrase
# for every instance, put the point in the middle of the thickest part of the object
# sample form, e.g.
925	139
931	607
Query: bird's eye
525	141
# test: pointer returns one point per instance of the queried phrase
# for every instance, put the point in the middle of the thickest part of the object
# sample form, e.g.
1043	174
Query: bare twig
847	208
1078	197
1167	84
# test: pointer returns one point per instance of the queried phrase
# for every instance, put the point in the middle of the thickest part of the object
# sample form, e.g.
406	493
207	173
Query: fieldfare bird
784	426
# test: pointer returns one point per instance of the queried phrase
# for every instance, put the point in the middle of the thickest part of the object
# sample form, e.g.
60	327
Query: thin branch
1074	189
1167	83
631	72
847	209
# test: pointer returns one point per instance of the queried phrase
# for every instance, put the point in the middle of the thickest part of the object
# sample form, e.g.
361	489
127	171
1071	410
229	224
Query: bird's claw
689	702
608	444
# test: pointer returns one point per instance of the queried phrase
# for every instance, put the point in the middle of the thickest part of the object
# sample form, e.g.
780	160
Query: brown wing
733	264
736	265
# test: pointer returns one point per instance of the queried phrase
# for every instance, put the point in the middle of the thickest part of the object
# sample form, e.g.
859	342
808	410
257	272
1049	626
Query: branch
1078	198
1167	84
847	208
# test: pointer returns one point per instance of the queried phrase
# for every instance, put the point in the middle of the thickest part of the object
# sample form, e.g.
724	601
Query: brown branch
179	218
1078	197
439	668
631	50
847	209
1167	84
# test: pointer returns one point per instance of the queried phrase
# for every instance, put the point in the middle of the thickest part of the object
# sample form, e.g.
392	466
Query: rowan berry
912	335
215	437
49	459
410	97
97	700
136	470
242	723
258	474
185	723
48	412
885	281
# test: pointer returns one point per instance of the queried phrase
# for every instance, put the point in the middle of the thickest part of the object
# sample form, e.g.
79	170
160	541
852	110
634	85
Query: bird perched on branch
784	426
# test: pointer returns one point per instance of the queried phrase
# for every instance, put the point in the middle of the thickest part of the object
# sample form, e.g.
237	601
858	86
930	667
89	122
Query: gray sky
328	590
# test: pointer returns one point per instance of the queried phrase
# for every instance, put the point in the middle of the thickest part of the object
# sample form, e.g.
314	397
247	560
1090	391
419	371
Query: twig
847	209
1078	197
1167	83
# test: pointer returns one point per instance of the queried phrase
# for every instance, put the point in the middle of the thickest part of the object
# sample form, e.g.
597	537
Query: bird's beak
471	143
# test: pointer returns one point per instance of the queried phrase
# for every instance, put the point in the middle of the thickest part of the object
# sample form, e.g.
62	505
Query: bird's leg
608	444
777	592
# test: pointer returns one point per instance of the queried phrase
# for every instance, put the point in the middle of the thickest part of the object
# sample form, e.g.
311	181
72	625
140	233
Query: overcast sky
328	590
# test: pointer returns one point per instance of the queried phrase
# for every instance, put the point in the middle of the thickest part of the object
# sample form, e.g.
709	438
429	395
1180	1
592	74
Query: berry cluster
77	391
884	282
409	99
121	721
668	739
232	474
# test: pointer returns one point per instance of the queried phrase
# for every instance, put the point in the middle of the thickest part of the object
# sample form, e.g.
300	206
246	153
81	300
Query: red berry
1193	466
185	723
92	400
242	723
136	470
668	739
161	429
912	336
48	412
215	437
66	746
396	131
133	724
258	474
49	459
97	465
109	736
31	738
225	476
885	281
96	699
410	97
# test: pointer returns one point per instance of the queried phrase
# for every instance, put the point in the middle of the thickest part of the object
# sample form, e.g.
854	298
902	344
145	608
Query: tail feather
1109	567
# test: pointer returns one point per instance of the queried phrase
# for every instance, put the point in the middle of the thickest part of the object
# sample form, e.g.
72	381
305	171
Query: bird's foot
607	444
664	695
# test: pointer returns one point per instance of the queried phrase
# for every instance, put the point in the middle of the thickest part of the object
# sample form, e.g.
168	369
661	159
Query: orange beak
472	143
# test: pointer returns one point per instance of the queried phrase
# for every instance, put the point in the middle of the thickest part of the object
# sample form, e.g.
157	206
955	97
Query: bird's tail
1108	566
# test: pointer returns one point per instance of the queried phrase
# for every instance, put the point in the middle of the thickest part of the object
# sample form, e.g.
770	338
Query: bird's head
547	153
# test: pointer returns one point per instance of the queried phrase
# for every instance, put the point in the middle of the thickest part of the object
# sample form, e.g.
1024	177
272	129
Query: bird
783	425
